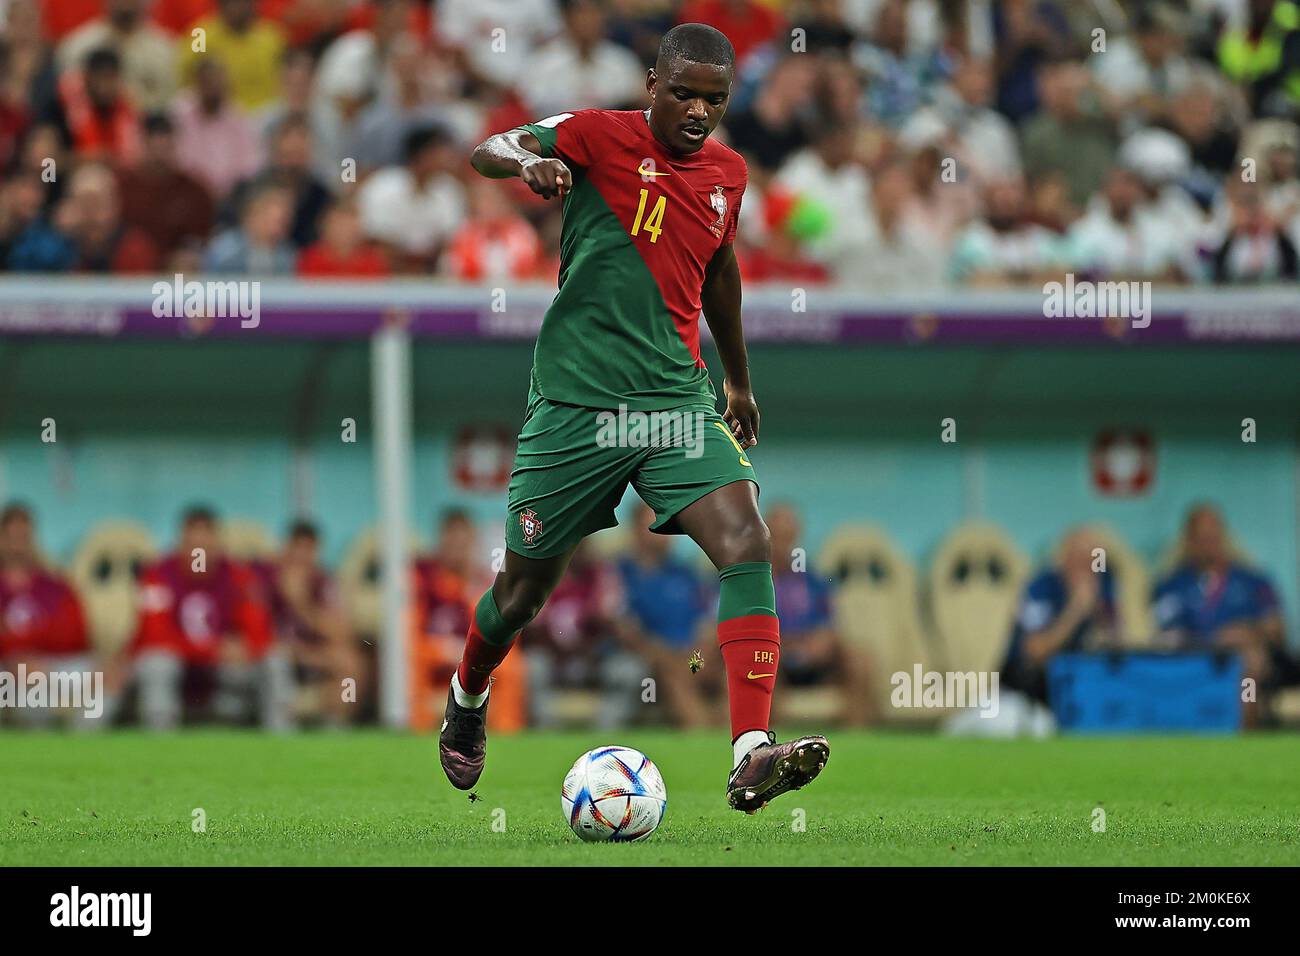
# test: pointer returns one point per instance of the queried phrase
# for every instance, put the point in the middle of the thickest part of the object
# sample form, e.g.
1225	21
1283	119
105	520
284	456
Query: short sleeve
730	236
568	136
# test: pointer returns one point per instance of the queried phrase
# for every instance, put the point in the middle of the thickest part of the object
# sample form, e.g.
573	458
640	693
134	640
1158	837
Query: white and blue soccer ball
614	794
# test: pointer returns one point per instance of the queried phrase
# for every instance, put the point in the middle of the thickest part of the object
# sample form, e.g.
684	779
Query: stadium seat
359	584
104	571
247	540
1133	587
975	581
876	607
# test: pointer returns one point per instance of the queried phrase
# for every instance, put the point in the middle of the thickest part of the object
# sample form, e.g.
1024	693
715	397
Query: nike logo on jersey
648	172
753	676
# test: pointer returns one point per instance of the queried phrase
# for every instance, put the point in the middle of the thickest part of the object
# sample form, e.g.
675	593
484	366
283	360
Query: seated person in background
445	586
1069	607
572	644
812	651
205	637
309	624
41	621
1211	602
668	617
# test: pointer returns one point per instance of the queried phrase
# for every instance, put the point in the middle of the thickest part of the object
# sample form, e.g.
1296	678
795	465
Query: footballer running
650	210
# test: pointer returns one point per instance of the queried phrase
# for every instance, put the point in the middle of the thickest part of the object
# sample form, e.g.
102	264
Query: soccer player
650	209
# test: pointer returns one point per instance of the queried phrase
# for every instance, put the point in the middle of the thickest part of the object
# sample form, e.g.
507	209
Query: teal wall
848	435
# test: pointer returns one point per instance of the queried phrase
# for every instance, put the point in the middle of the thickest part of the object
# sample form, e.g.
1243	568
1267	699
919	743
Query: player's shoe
772	769
462	744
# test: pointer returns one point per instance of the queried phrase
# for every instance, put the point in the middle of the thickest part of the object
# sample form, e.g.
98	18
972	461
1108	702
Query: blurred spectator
828	176
1065	608
31	75
668	617
62	17
383	126
205	645
638	25
1263	54
775	124
981	138
812	652
1276	143
188	212
495	37
342	251
355	69
898	79
218	144
289	167
91	215
147	53
1214	601
42	625
259	245
495	242
1256	249
1006	246
99	116
581	69
415	208
311	626
1027	33
572	644
1070	134
748	24
249	47
29	242
898	254
1121	237
1139	74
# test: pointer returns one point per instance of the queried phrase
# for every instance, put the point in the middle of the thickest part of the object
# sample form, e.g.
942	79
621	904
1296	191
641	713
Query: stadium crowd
275	639
892	145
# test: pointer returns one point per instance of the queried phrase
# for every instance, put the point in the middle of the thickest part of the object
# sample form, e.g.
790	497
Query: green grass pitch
373	798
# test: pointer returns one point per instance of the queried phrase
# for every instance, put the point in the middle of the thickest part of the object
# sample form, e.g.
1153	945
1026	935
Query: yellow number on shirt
655	224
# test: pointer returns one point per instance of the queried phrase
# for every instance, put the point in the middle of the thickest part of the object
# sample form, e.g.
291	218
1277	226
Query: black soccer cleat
462	743
772	769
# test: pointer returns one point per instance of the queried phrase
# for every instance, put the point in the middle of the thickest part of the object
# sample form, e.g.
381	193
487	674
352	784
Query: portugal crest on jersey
719	203
530	524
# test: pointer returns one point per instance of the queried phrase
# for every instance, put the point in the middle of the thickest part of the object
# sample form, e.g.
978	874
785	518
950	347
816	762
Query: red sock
751	649
479	660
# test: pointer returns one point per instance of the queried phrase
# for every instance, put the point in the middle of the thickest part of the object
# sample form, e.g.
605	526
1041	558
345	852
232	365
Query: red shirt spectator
101	119
40	616
442	600
189	614
342	249
747	23
61	17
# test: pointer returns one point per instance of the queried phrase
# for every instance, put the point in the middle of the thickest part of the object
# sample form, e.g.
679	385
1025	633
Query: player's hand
547	177
741	415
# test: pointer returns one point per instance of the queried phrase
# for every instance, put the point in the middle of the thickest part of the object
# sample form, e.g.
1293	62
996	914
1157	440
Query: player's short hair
695	43
304	528
198	514
15	511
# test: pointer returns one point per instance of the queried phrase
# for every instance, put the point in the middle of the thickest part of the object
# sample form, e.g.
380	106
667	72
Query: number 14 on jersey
655	223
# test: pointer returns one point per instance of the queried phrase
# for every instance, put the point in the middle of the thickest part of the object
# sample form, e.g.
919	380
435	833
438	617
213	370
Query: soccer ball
613	794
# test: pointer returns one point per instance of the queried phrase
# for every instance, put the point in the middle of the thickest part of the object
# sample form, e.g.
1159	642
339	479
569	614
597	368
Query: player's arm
720	298
517	152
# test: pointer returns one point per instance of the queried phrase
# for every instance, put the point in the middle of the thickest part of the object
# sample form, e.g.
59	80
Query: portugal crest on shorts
719	203
530	524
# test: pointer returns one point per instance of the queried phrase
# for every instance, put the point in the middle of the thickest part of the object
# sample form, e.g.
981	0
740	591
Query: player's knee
520	602
750	541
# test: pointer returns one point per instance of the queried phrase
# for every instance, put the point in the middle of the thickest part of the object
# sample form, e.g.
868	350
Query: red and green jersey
641	225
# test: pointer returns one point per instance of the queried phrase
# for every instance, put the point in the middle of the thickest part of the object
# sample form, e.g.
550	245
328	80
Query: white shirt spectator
560	78
397	211
1147	245
148	59
470	25
984	140
845	192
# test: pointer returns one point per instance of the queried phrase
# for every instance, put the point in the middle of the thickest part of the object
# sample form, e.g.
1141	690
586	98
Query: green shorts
574	464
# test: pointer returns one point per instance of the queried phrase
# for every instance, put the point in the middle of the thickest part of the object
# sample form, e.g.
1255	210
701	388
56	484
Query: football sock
744	744
472	701
486	646
749	637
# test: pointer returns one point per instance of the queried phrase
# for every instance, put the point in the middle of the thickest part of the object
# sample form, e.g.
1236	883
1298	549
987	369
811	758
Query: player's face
687	104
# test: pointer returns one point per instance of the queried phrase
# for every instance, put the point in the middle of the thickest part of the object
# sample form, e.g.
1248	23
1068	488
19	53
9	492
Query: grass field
373	798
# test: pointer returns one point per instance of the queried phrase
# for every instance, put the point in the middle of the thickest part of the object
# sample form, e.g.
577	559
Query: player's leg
515	598
727	526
